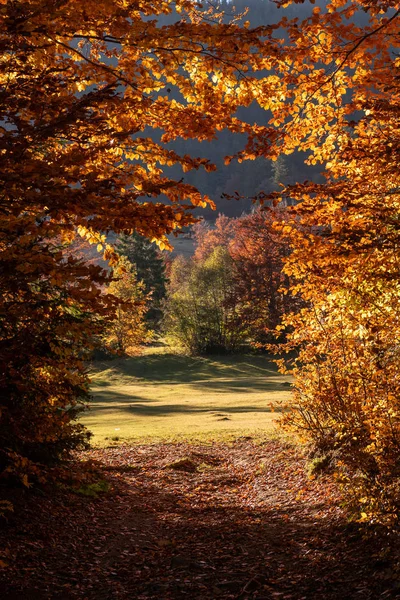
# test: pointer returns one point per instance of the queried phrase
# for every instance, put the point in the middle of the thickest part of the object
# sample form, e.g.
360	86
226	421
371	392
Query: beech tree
335	94
80	84
51	313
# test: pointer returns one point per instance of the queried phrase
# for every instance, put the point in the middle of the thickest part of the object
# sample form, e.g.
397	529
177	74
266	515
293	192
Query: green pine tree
149	265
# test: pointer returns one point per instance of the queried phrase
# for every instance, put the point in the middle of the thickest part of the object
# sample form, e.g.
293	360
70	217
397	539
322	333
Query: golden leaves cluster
340	84
81	85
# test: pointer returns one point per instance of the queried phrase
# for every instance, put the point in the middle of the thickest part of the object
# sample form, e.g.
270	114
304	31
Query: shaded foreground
198	521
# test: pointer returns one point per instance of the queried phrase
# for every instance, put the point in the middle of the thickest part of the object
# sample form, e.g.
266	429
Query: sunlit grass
169	397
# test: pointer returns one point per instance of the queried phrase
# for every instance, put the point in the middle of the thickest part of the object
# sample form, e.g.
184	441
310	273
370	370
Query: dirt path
230	522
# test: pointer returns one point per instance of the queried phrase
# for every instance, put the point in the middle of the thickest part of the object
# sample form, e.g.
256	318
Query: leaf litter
218	521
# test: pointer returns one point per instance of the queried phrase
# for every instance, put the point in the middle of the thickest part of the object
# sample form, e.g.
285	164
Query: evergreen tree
280	173
149	266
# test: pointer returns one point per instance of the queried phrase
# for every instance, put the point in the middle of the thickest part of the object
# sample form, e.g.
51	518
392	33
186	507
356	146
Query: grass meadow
162	396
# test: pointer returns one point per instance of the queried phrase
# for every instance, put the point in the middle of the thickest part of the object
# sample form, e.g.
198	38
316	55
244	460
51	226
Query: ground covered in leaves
226	521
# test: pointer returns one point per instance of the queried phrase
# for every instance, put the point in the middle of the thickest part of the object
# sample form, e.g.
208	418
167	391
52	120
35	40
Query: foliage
81	85
149	265
338	98
207	238
51	311
258	251
127	331
202	311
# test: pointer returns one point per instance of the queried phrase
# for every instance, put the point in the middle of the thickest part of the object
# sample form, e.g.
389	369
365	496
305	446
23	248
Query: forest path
219	521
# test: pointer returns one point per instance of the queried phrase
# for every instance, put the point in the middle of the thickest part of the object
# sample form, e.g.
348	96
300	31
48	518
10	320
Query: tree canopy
81	85
335	93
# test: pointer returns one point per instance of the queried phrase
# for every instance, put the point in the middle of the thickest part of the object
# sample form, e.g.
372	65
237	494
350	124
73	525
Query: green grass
167	397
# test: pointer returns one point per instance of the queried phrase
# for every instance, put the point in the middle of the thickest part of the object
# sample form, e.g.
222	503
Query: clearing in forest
225	516
168	396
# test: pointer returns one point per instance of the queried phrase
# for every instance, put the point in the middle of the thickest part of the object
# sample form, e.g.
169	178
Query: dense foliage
51	312
81	84
233	292
258	251
338	97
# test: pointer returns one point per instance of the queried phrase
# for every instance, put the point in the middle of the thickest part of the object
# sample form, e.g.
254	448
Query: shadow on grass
171	368
137	405
218	386
161	410
120	386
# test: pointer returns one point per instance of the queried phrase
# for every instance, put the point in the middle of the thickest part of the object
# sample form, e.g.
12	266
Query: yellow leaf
25	481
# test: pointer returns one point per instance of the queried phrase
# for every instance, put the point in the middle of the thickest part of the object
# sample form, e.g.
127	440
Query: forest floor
217	521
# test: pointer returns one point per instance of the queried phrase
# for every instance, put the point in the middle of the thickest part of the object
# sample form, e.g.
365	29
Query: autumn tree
81	84
203	313
207	237
255	295
127	331
334	93
258	252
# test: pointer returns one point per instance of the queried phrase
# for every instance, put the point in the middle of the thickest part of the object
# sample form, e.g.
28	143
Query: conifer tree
149	265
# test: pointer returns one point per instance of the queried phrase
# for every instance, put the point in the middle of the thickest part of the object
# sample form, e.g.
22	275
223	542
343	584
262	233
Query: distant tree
127	331
258	252
280	173
202	311
149	266
207	237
